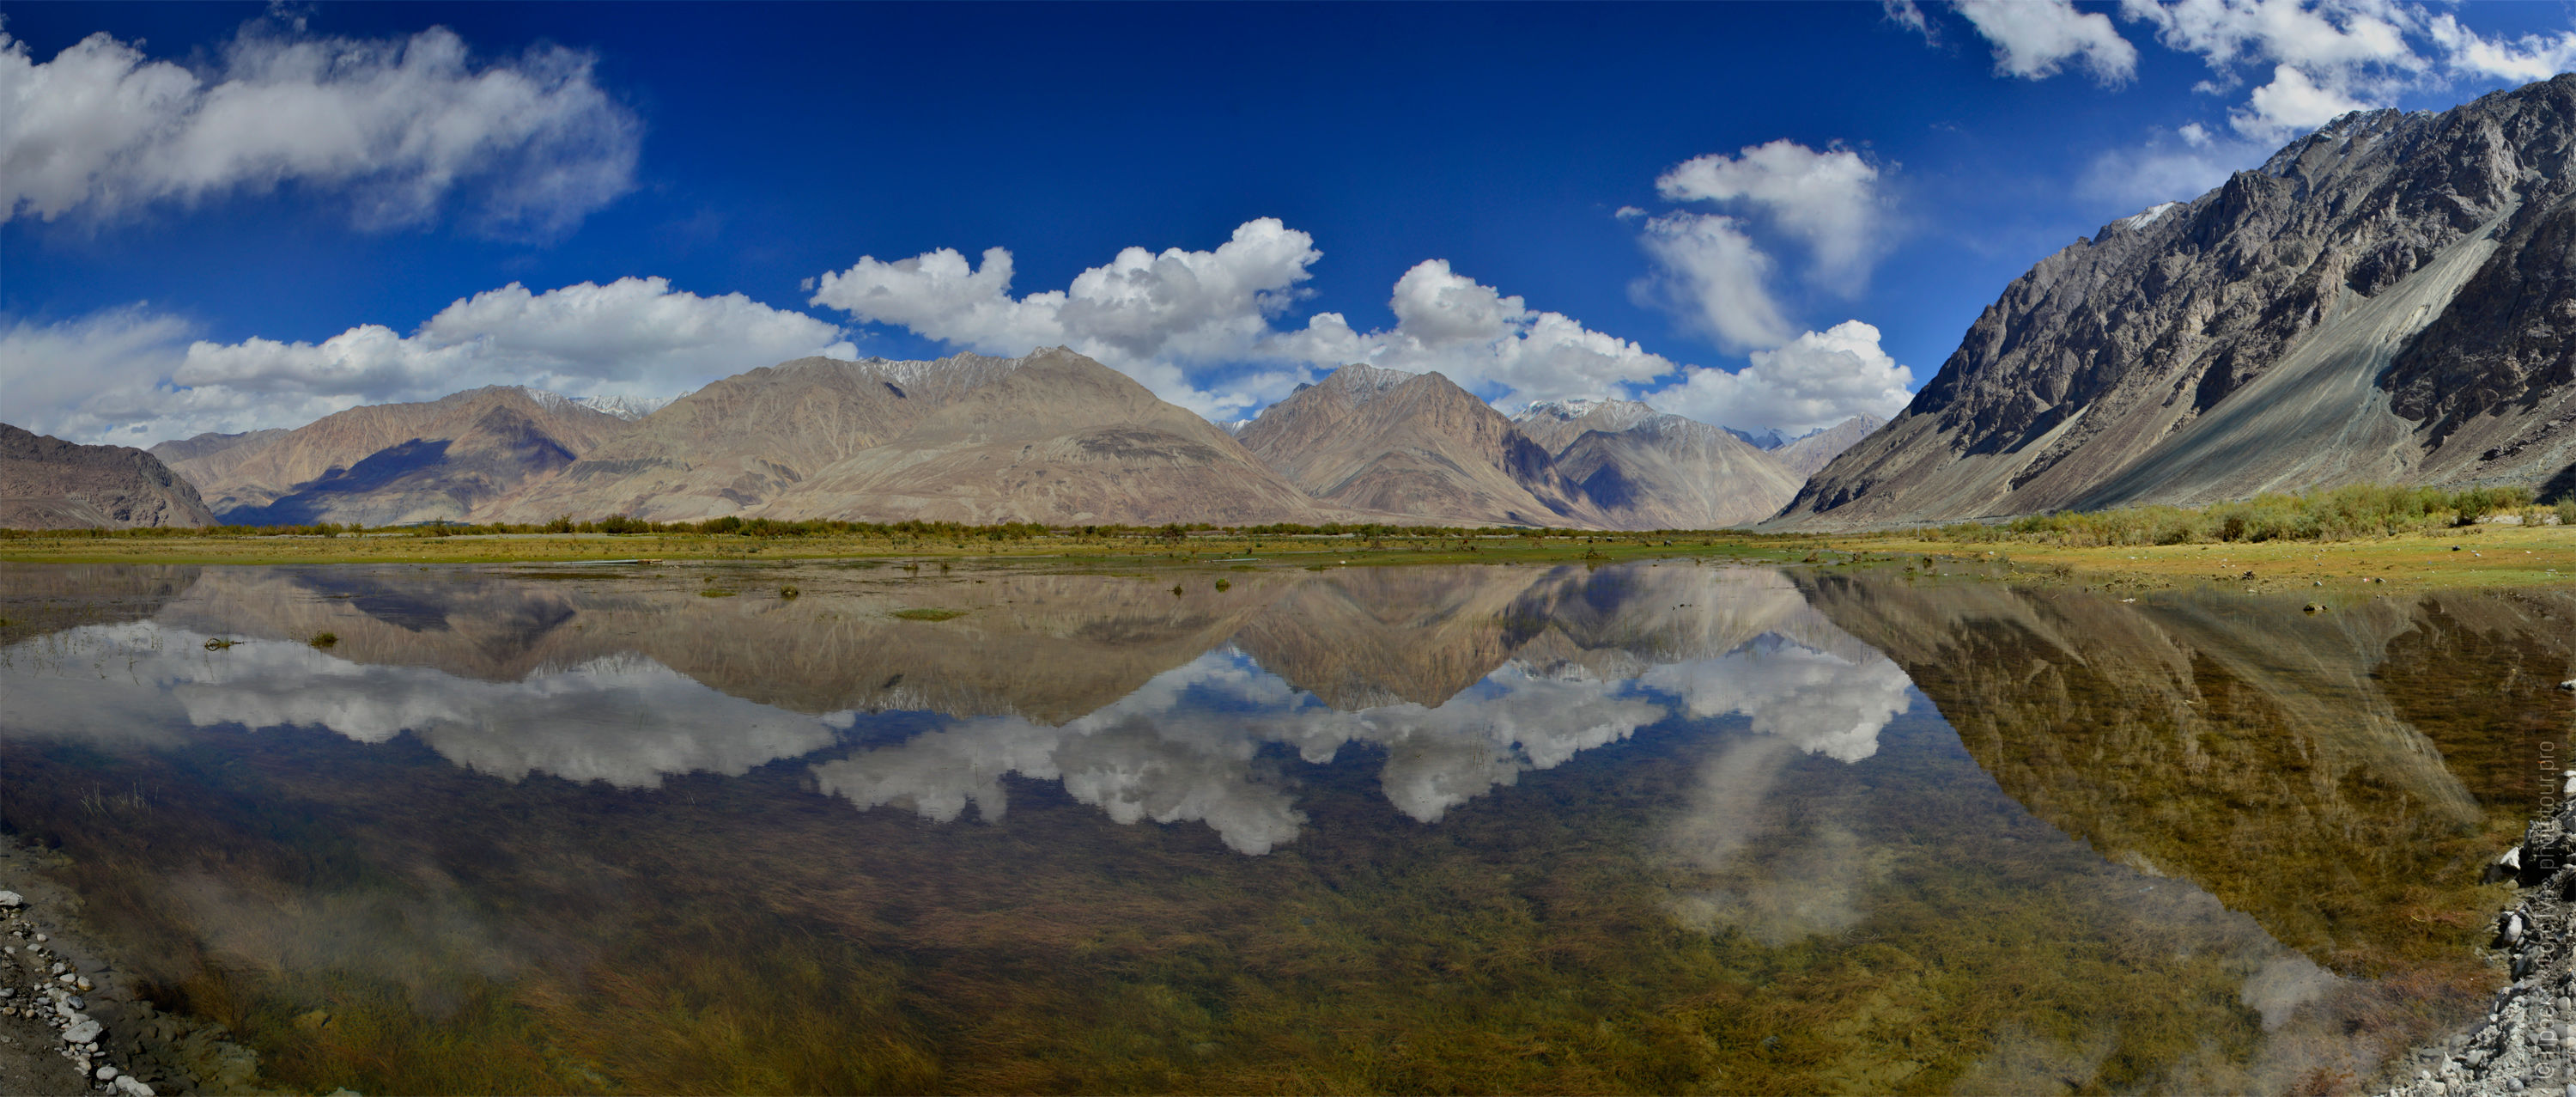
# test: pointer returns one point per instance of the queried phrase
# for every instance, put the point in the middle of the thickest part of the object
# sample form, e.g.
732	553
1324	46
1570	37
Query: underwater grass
769	941
745	935
925	613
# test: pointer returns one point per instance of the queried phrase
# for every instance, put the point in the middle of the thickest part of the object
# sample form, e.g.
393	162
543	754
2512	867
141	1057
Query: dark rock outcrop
48	483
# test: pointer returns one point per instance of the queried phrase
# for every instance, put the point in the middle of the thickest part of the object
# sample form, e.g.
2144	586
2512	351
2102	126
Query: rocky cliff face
48	483
2390	298
391	463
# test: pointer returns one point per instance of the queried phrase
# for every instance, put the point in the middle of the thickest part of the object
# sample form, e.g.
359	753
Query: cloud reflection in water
1205	741
1188	746
625	720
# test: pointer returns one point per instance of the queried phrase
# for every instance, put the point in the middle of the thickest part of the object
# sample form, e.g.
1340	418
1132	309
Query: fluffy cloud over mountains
396	127
1816	380
1174	320
2309	61
130	376
1203	329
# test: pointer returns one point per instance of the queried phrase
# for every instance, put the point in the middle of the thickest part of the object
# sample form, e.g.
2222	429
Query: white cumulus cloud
105	362
1201	328
397	125
2035	39
1828	200
1150	315
2327	57
1816	380
1482	339
1709	273
2520	60
2308	61
123	377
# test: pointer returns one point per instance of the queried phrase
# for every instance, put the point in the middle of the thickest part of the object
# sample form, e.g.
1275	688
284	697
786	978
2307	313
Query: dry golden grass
2474	556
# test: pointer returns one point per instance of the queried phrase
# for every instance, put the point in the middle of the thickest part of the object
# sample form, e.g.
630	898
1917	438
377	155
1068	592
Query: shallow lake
1662	827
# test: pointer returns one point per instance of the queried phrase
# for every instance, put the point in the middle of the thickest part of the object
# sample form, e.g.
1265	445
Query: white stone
83	1032
10	900
126	1084
106	1074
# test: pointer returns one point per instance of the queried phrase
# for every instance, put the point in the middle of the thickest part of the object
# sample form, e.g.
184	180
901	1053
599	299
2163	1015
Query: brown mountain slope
1806	455
1057	438
209	444
423	480
395	462
2386	299
48	483
1668	472
735	445
1414	445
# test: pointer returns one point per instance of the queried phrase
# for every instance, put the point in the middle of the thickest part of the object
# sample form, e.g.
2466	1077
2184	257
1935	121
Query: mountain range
2391	298
1053	437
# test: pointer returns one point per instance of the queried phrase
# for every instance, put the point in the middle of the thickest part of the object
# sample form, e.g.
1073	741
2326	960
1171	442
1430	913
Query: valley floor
2476	556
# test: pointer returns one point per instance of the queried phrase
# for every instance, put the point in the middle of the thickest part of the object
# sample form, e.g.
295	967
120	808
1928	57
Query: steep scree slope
2390	298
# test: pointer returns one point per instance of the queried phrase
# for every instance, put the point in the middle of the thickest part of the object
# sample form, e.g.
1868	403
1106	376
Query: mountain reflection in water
1643	827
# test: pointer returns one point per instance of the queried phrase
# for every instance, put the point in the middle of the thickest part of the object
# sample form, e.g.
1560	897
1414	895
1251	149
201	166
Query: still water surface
1652	827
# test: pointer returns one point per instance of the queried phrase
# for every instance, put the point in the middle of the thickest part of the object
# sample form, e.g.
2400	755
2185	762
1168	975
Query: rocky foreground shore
69	1023
2524	1046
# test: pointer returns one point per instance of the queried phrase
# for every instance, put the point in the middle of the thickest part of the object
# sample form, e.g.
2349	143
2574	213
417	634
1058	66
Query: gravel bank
2523	1047
70	1022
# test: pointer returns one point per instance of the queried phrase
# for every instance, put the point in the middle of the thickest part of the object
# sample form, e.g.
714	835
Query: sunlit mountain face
1651	826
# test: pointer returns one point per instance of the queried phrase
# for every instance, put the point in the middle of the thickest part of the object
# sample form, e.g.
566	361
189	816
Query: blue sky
1765	215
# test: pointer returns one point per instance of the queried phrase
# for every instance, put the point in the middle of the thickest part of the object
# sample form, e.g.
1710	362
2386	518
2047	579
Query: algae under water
1650	826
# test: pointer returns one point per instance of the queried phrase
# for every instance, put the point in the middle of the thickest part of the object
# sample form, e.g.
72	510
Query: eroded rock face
2386	299
48	483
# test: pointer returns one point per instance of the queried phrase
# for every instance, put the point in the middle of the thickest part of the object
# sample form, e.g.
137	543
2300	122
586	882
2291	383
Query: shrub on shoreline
2338	514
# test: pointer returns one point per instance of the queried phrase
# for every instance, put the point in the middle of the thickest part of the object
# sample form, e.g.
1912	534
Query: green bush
2357	510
